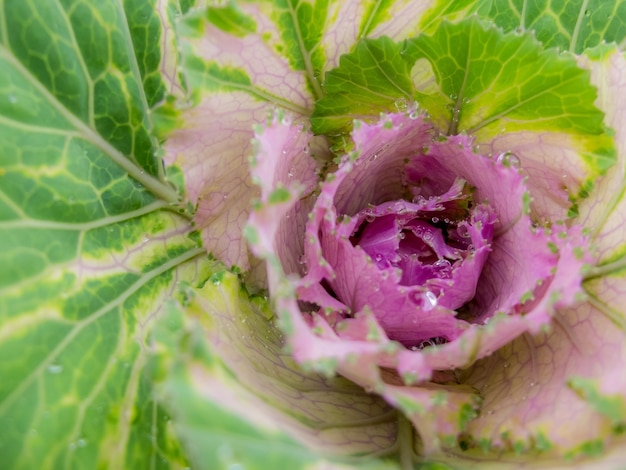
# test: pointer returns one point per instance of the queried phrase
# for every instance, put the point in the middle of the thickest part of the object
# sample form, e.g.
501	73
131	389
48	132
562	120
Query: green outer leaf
572	25
301	25
231	20
84	60
487	83
211	77
84	219
376	12
75	335
368	81
452	10
59	94
489	78
151	28
237	429
215	437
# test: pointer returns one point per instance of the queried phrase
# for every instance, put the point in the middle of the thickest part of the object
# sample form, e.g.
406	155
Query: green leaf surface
91	242
301	25
452	10
376	12
373	78
487	79
572	26
231	20
238	400
469	78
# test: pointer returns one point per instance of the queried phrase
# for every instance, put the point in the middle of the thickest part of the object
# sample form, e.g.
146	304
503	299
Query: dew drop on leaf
508	159
55	368
430	300
401	104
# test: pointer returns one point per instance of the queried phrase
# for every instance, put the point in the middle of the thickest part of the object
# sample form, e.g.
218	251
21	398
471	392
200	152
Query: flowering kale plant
313	234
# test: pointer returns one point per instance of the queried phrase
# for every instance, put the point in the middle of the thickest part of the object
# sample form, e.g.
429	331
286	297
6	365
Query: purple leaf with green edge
242	60
352	328
237	397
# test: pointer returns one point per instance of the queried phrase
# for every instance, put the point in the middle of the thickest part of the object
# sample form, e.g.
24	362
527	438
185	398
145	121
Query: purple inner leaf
427	248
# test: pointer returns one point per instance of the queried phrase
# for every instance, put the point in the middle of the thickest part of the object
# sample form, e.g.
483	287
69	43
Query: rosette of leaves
124	344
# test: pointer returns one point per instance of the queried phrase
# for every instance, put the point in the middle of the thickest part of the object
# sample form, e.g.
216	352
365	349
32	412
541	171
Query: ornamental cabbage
419	256
312	234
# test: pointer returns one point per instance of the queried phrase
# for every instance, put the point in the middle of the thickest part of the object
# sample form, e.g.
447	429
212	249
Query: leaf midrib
142	281
306	54
159	188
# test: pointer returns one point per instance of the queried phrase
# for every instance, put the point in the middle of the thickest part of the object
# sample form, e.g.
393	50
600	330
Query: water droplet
414	115
55	368
12	99
401	104
435	220
587	12
508	159
81	443
430	301
442	264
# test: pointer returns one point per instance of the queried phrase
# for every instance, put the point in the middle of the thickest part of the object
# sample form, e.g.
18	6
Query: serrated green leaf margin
372	79
469	78
569	25
91	241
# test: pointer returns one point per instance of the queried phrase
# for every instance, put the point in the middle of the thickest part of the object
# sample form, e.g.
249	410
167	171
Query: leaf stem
579	20
306	55
405	438
605	269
